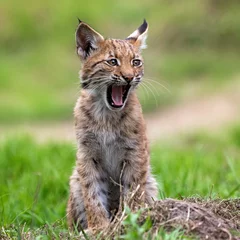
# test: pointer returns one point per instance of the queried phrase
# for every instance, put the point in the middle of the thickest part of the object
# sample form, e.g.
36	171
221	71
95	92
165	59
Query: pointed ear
87	40
139	36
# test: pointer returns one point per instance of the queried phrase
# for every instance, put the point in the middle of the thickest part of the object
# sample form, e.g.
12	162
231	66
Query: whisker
144	86
94	78
91	90
153	88
144	90
100	81
160	84
165	83
152	94
100	86
88	79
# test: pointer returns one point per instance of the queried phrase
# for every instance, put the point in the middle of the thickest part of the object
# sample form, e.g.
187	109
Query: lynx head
111	68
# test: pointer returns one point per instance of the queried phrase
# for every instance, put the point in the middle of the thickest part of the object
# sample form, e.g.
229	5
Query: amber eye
136	62
112	62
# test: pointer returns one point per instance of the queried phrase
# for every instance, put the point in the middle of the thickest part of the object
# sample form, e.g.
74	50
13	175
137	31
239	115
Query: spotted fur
108	136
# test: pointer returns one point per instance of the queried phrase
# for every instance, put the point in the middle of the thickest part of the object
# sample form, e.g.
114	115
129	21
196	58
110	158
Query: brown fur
108	138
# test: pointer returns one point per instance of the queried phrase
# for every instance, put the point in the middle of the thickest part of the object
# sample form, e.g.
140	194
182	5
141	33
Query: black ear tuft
79	21
139	36
143	27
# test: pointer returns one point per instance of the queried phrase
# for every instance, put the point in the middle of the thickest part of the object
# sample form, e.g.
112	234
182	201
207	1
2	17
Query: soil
195	217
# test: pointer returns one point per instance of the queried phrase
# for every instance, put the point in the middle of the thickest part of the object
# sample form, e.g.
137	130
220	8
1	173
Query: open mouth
117	95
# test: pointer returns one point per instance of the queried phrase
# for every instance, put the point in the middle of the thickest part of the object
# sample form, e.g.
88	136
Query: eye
136	62
112	62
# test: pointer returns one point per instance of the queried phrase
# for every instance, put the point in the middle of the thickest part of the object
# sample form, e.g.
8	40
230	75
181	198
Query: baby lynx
110	129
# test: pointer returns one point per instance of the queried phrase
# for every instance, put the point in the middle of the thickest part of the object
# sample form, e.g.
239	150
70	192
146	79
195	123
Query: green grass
204	167
31	177
188	43
34	177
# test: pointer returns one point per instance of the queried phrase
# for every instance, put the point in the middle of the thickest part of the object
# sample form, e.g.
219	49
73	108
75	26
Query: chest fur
113	149
109	137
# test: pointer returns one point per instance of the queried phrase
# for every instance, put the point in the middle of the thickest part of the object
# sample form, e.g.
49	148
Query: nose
128	78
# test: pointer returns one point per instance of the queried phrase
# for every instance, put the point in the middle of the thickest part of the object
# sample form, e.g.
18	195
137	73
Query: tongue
117	95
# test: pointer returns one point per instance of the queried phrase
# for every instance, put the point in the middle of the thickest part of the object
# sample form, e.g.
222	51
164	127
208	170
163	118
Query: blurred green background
192	45
193	53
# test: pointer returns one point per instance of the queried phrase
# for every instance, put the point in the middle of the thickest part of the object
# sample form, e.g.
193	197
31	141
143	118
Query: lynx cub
110	129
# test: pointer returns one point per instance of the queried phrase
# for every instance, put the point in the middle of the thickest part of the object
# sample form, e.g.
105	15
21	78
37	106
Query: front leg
94	190
133	180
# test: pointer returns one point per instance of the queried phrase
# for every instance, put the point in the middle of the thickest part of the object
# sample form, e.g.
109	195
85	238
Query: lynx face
111	68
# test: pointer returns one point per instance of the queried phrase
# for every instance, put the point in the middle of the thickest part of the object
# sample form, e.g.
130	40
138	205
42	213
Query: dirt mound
205	219
192	218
